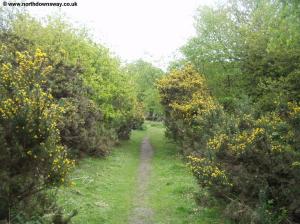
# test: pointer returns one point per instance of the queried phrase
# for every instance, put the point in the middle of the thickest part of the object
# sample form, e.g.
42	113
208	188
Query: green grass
173	186
105	188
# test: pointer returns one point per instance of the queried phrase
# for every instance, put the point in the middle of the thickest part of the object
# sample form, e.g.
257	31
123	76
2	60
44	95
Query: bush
32	158
189	108
87	71
82	128
252	163
77	100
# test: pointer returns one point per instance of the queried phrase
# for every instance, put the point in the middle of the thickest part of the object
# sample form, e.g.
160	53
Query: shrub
82	128
252	163
189	108
32	158
83	70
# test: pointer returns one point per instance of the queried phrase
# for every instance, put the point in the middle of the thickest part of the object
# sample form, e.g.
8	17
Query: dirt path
141	214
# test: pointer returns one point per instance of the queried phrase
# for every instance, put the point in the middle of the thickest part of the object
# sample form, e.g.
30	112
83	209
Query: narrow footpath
143	181
141	213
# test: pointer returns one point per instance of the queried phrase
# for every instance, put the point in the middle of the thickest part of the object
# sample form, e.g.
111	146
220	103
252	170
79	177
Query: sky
152	30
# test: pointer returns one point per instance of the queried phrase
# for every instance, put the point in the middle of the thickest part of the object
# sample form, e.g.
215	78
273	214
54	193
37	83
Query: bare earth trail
139	183
141	214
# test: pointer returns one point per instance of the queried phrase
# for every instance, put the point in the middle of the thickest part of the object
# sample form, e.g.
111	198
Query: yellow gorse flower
207	172
244	139
35	105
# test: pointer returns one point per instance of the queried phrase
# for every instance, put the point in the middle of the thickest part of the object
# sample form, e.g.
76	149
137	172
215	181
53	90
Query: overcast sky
149	29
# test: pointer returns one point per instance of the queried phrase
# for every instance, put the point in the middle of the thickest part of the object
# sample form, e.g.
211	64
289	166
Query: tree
144	76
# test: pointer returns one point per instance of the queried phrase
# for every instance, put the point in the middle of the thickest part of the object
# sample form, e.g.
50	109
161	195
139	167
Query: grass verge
104	188
173	187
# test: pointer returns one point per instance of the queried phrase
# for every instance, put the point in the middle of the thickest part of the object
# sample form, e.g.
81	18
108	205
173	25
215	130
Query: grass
104	188
173	187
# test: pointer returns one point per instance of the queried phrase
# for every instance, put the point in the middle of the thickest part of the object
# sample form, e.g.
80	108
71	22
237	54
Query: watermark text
33	4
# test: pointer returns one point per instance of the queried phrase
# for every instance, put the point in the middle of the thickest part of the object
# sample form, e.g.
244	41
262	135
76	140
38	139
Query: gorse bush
85	70
247	151
82	126
32	157
251	163
67	99
187	102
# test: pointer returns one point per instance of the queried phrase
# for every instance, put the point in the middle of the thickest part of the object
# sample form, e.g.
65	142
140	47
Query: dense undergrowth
239	121
62	96
240	159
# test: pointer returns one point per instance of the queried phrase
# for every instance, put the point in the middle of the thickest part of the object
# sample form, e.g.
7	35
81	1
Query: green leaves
32	157
144	77
70	92
249	52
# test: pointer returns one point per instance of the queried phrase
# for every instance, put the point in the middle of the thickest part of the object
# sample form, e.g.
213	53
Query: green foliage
249	53
236	155
77	99
32	158
82	129
242	43
144	76
189	107
104	82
